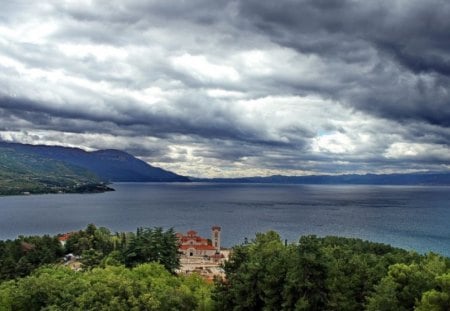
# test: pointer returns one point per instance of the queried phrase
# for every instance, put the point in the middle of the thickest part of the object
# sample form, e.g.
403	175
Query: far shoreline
83	189
104	188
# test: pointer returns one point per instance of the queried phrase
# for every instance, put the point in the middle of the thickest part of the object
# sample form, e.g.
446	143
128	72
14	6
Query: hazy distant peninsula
431	178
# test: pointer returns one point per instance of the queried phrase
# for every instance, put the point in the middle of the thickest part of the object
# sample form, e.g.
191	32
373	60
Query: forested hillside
24	172
109	165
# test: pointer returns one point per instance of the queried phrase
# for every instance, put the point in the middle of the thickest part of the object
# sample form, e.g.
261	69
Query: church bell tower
216	238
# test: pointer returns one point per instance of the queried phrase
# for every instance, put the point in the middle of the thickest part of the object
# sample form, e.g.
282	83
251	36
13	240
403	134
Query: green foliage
22	172
403	286
355	267
91	258
21	256
95	246
152	245
145	287
438	298
99	239
98	245
305	287
315	274
255	274
328	273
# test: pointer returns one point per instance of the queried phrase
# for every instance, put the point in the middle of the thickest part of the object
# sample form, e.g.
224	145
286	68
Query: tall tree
153	245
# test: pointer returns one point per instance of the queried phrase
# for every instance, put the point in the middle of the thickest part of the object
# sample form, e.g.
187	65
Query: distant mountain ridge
109	165
112	165
431	178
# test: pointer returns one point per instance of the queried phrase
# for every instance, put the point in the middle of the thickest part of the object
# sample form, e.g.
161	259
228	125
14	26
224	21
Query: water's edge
411	217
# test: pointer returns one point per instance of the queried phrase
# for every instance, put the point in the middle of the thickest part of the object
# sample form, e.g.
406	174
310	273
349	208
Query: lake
412	217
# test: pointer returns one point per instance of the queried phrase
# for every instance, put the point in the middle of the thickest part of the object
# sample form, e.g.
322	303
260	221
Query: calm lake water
415	218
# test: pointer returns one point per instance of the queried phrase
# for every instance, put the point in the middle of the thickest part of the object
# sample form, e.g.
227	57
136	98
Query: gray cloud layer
232	88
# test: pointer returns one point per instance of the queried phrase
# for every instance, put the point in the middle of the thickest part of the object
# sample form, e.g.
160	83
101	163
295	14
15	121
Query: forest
137	271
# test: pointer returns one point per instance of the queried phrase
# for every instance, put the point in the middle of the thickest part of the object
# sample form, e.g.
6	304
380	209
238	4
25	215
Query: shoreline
87	189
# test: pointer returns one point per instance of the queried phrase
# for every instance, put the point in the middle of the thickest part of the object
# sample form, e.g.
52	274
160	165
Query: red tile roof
192	237
197	239
65	236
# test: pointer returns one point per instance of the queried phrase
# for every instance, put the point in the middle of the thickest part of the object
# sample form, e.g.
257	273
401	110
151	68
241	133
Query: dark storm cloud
415	32
211	123
410	34
252	86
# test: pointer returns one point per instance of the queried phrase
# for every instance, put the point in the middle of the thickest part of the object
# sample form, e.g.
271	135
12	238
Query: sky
233	88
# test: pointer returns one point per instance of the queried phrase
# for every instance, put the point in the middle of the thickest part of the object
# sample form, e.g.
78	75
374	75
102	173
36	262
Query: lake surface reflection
410	217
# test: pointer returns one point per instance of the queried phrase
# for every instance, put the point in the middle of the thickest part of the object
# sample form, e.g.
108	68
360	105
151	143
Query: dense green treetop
329	273
144	287
95	246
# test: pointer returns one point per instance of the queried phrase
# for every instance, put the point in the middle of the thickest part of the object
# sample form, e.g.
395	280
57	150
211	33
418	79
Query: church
193	245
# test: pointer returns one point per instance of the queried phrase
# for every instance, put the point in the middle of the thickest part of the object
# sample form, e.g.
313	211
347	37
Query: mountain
350	179
109	165
118	166
30	173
